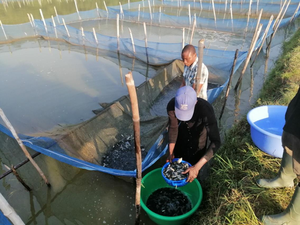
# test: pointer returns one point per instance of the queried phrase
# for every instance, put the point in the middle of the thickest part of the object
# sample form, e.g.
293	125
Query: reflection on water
40	89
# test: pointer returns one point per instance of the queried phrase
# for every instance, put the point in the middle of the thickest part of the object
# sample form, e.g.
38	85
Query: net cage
226	25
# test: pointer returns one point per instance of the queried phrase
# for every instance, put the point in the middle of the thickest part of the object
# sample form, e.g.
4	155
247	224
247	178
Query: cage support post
190	18
183	38
9	212
263	39
200	60
105	8
138	154
3	30
295	12
54	25
146	42
132	41
75	2
66	27
229	82
214	11
44	21
248	56
14	133
118	32
193	30
56	15
150	11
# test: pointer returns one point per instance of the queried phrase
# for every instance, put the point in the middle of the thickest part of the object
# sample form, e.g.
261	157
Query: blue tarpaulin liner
67	146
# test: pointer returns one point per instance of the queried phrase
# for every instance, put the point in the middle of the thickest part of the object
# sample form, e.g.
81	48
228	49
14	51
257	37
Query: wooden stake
257	4
56	15
105	8
193	30
29	19
295	12
20	179
95	36
136	129
159	18
43	21
3	30
128	4
248	56
183	38
97	8
132	42
229	82
139	12
9	212
118	32
146	42
121	10
190	18
75	2
213	7
54	25
248	15
14	133
150	12
66	27
200	61
263	39
279	15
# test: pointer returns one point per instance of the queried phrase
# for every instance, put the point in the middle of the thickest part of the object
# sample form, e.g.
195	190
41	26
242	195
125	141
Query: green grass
232	195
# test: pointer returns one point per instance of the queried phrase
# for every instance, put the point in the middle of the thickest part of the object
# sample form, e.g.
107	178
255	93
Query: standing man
192	123
290	166
190	60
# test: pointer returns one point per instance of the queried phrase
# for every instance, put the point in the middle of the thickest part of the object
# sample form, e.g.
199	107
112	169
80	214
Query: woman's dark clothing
191	137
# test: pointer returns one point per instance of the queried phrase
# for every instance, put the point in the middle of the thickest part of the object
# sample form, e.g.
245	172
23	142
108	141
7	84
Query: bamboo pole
139	12
95	36
30	20
200	61
159	18
229	82
295	12
9	212
121	10
97	8
214	11
66	27
128	4
3	30
146	42
150	12
82	35
136	129
279	15
14	133
190	19
193	30
20	179
44	22
263	38
183	38
75	2
132	41
118	32
54	25
56	15
105	8
248	56
248	15
257	4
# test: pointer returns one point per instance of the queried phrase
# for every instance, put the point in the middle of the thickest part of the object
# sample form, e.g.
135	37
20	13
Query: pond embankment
232	196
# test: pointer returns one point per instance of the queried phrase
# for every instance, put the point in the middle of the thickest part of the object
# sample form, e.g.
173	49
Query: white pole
9	212
118	32
121	10
213	7
150	12
95	36
201	7
82	34
257	4
66	27
105	8
97	8
132	41
54	25
183	38
3	30
29	19
190	19
193	30
159	18
32	19
43	21
128	4
146	42
56	15
75	2
295	12
139	12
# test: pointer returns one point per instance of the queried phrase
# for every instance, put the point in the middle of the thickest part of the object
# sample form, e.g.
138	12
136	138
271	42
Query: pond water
45	84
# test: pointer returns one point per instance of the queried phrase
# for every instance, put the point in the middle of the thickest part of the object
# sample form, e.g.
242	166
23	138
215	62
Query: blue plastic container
266	127
174	183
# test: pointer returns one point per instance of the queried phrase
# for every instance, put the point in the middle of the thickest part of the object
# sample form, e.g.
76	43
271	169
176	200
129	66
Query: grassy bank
232	196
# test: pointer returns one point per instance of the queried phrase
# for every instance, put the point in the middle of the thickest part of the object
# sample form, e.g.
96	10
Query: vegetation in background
232	196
